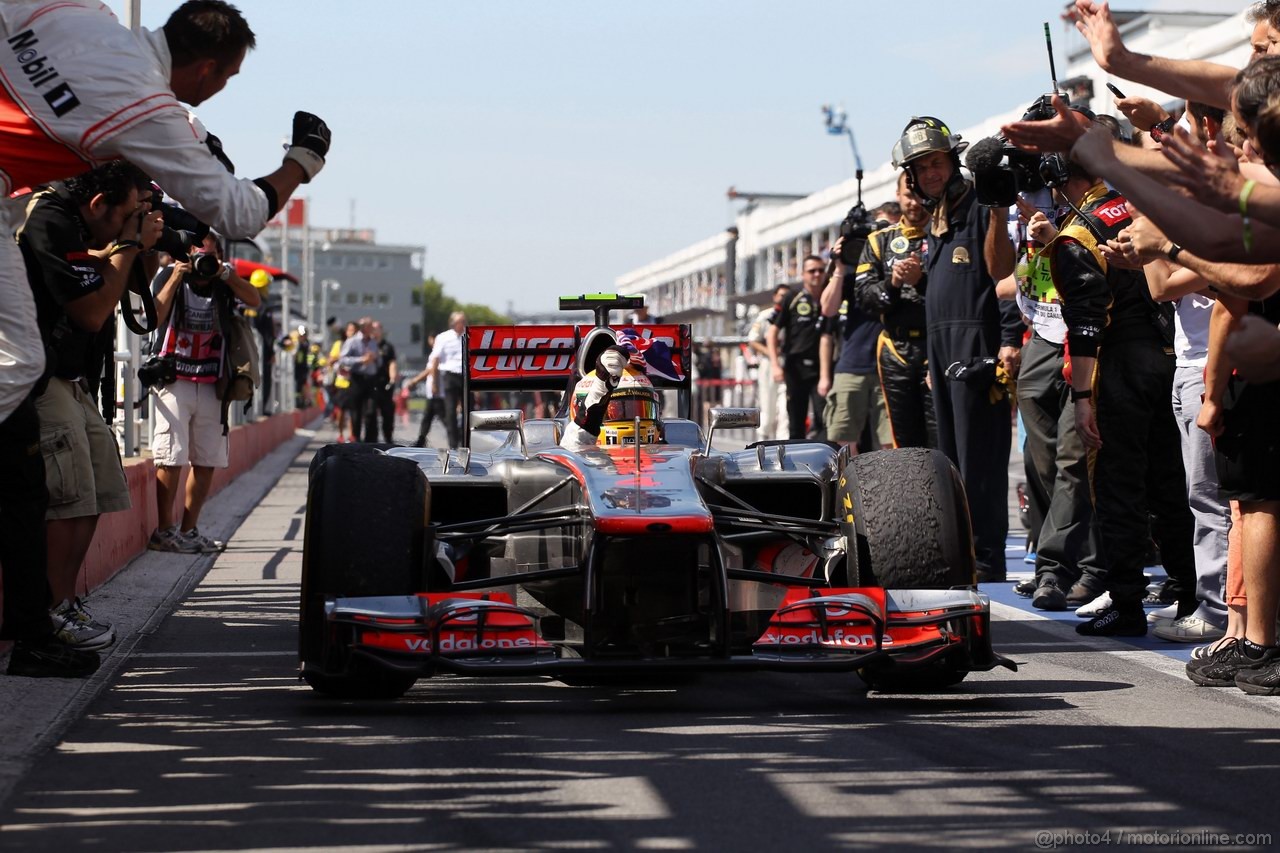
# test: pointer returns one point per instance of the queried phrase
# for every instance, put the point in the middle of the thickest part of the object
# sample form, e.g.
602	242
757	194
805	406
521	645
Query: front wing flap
834	629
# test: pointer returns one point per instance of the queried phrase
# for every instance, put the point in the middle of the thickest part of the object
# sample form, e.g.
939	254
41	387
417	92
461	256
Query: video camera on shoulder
1001	170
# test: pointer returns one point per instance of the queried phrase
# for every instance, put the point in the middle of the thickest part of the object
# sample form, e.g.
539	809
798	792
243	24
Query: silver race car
515	555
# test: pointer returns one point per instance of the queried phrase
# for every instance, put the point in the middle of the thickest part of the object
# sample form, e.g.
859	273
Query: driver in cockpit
607	401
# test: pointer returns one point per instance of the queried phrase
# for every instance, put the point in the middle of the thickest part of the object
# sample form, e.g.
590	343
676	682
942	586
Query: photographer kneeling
196	294
80	241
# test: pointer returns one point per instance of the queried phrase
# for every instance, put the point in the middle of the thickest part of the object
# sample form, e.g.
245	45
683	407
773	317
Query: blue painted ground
1019	570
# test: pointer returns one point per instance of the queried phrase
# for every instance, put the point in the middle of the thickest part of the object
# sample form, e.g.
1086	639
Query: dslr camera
205	265
158	371
1001	171
182	230
855	229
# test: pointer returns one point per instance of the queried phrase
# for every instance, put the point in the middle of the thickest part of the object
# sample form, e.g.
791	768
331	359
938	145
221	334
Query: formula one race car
515	555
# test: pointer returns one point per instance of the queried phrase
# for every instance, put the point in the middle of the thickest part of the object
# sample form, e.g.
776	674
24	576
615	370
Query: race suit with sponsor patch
1140	490
901	355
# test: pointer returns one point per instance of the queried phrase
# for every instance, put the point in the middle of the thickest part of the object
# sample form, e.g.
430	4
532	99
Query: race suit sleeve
874	293
166	145
1086	296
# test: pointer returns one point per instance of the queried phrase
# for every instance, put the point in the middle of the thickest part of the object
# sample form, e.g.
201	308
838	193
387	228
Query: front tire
907	521
366	535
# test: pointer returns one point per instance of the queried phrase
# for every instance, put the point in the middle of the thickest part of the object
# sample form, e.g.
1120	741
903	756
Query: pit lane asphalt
196	736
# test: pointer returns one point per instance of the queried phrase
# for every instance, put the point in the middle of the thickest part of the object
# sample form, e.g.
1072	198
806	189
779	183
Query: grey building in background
374	279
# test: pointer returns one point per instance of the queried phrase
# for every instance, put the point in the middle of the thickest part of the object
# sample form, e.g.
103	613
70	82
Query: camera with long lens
1001	170
855	229
182	229
158	371
205	265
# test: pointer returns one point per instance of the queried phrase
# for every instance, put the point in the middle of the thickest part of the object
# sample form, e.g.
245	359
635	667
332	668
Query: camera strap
140	287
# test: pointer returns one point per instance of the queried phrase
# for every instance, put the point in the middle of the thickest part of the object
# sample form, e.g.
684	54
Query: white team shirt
448	351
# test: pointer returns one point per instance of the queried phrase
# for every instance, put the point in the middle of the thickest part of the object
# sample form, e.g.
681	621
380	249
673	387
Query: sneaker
1218	668
1048	596
1082	593
1095	607
1189	629
1263	680
1164	616
1115	623
76	627
169	539
1026	588
1029	558
1202	652
1160	596
51	658
203	544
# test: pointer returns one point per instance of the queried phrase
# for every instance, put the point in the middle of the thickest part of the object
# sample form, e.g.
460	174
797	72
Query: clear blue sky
542	147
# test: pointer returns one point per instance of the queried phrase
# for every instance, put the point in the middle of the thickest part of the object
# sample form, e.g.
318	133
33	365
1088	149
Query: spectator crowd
1123	305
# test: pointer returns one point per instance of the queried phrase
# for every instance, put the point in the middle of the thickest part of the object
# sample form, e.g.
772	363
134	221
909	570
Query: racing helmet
260	278
635	397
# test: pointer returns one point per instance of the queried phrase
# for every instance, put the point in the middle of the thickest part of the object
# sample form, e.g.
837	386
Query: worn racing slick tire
906	519
366	535
355	448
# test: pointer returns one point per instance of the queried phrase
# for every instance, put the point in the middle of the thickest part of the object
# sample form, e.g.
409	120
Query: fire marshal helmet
924	135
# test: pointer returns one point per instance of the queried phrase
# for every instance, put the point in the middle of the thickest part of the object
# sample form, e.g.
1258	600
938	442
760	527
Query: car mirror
500	420
731	418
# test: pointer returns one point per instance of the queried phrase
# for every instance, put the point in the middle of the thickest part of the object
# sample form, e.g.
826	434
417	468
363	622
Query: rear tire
366	535
907	520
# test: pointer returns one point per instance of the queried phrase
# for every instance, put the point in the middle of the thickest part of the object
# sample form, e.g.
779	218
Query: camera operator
115	95
974	340
891	282
855	403
80	242
190	423
1122	370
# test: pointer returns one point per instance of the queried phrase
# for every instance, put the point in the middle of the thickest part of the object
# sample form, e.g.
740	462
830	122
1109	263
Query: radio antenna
1053	70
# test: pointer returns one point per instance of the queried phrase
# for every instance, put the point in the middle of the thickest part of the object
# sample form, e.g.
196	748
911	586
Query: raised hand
1212	179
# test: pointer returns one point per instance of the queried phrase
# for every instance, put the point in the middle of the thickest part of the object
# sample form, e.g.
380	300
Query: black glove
310	143
979	372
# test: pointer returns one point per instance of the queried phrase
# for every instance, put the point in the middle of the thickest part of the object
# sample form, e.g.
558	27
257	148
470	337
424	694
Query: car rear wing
543	357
